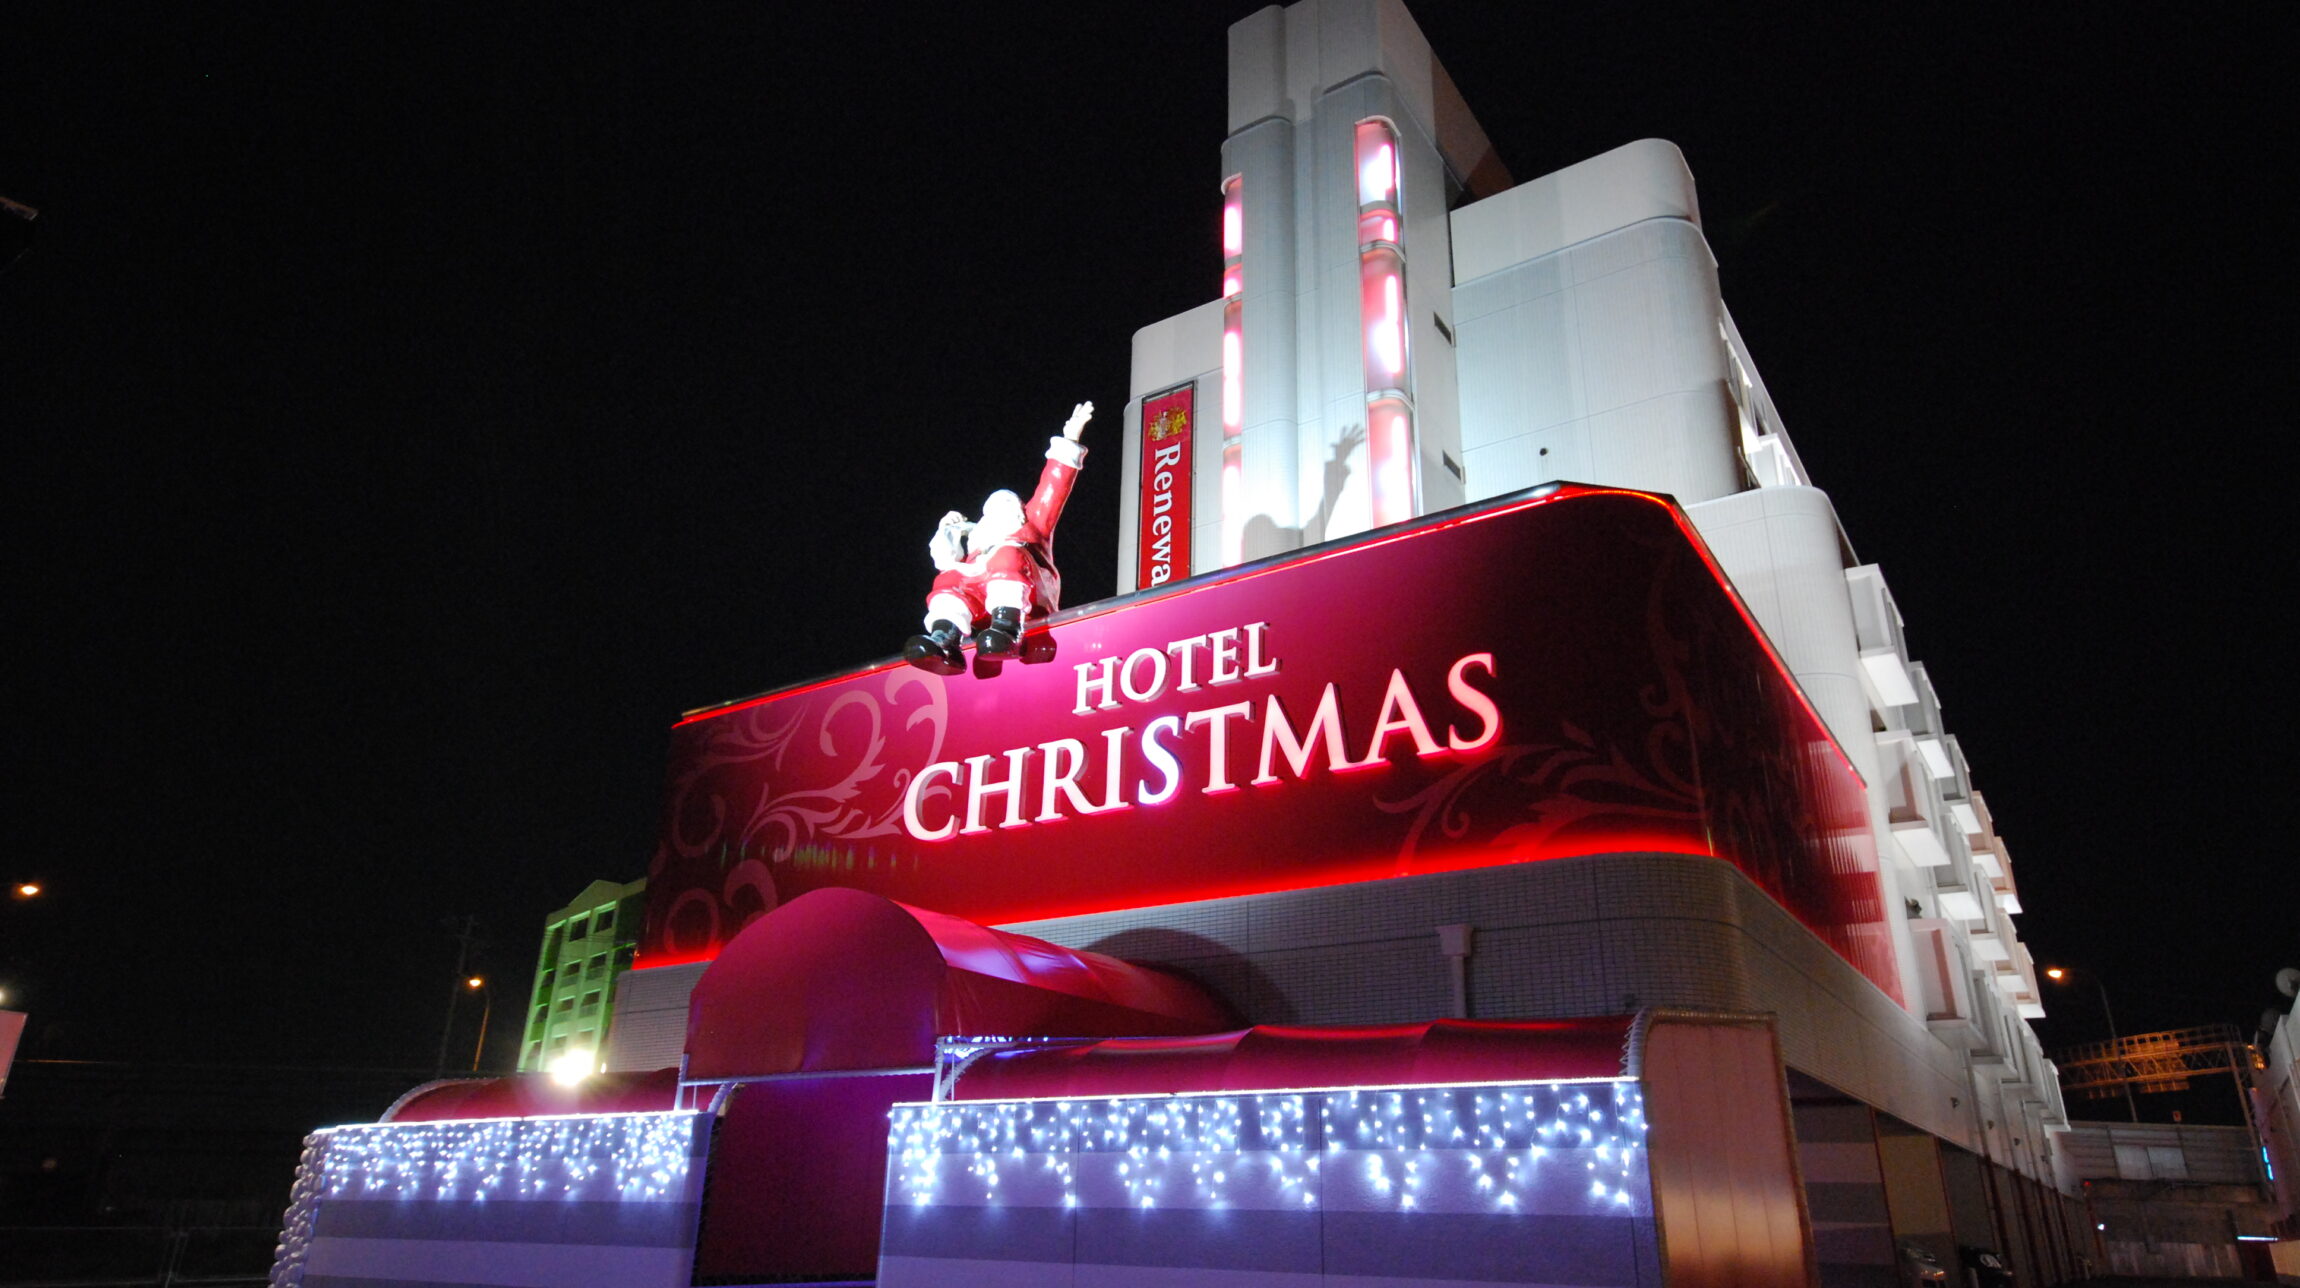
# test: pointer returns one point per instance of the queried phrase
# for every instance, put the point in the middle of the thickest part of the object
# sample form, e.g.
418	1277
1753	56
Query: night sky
411	409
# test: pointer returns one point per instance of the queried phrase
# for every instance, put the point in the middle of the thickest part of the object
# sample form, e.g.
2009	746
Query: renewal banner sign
1163	538
1560	673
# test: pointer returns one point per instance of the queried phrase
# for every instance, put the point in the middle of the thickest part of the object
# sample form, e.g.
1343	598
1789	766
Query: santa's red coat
1028	555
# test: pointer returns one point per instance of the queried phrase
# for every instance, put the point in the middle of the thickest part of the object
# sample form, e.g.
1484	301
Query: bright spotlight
572	1067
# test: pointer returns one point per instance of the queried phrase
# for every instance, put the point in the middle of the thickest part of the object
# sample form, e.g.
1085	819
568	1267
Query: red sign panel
1557	675
1162	533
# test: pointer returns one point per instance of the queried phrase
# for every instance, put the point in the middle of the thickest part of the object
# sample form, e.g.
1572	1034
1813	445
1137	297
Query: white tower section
1348	146
1568	328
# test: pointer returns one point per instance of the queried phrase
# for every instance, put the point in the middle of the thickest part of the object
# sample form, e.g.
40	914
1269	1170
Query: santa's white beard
989	533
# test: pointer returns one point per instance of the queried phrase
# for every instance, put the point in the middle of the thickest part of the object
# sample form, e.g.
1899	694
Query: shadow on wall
1264	536
1218	969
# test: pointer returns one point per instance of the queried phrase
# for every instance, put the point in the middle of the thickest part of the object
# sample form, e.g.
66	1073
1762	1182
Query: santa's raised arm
998	572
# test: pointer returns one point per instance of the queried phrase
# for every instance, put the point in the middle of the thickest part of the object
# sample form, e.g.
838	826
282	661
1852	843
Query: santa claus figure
998	571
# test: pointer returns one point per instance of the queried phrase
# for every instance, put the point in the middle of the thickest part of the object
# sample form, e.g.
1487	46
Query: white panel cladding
1257	51
1172	350
1637	181
1781	549
1205	483
650	1024
1275	318
1429	296
1615	343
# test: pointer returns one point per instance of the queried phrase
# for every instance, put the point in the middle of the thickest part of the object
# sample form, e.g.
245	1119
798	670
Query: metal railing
2162	1061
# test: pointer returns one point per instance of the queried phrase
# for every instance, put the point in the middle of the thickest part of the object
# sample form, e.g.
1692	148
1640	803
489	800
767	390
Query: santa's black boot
935	651
1003	636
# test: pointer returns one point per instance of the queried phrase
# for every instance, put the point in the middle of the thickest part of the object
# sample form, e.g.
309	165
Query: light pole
486	991
466	938
2060	975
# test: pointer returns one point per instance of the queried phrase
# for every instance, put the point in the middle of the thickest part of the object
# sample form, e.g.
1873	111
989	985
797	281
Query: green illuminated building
587	946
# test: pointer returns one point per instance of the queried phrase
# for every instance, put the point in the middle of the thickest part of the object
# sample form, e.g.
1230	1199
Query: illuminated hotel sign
1164	538
1541	677
1049	773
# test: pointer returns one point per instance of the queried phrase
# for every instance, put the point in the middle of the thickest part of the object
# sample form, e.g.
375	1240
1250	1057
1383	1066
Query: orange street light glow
476	981
2054	972
28	890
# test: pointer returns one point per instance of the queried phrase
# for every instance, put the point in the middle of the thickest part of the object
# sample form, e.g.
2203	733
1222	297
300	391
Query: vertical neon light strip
1382	316
1233	373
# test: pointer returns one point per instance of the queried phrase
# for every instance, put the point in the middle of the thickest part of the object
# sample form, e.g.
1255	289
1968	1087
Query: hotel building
1487	669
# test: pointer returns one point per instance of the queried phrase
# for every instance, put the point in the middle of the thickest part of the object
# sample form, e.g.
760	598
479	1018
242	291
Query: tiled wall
1582	936
650	1029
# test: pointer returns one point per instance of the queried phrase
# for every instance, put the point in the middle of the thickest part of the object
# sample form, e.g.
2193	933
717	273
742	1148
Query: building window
566	1004
590	1002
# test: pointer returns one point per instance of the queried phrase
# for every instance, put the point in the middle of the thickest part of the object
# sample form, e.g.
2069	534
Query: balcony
1988	946
1888	677
1958	901
1923	847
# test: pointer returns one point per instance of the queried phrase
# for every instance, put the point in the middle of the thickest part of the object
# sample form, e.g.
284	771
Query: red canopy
530	1095
839	979
1272	1057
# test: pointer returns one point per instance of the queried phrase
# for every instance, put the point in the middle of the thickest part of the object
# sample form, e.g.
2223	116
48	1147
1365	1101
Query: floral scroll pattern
761	783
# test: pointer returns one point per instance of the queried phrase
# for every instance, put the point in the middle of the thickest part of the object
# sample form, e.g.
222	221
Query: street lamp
26	890
478	984
2060	975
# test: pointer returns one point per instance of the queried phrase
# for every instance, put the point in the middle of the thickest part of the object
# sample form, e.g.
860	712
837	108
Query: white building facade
1401	331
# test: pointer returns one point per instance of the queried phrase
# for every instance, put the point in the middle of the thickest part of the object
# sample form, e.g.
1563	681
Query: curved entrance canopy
839	979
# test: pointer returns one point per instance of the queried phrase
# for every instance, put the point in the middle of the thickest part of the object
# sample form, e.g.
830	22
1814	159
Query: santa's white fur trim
1007	594
1062	451
947	607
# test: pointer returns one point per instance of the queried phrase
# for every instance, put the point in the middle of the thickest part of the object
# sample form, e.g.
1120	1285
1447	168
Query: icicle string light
1574	1148
588	1157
